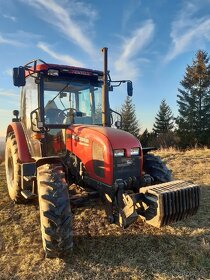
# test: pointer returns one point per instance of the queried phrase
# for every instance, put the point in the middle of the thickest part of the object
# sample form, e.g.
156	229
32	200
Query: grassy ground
103	251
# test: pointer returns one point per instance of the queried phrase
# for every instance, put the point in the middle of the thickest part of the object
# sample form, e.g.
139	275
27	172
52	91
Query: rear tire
155	167
13	169
55	211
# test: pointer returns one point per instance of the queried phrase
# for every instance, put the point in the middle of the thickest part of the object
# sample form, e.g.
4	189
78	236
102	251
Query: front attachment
169	202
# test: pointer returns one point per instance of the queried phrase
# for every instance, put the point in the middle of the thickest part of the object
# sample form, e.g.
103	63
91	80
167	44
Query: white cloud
19	39
8	72
12	18
24	36
127	65
8	41
63	18
8	93
66	59
188	32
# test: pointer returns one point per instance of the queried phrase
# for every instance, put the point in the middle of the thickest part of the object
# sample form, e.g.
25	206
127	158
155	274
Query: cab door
29	103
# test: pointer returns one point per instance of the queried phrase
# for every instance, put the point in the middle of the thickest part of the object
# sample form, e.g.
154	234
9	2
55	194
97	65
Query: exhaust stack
105	98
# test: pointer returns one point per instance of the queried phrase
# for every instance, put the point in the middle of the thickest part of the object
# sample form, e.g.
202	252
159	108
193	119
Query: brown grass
103	251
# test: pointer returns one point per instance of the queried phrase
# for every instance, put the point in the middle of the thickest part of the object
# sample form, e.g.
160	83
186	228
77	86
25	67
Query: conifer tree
144	138
194	102
164	119
129	119
148	139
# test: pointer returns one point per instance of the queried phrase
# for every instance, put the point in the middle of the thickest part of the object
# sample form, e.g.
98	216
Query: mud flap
169	202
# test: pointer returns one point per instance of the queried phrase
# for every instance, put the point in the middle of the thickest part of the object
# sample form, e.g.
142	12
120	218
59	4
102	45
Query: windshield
68	101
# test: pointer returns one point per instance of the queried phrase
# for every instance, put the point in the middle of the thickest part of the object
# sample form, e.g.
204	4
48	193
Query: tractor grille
170	202
127	167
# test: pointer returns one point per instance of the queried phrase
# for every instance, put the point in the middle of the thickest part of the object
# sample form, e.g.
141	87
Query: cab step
27	194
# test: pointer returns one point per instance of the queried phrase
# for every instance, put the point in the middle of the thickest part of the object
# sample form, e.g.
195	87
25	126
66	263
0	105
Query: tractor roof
37	66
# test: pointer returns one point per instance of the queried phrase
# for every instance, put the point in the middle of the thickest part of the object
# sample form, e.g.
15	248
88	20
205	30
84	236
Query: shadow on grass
144	255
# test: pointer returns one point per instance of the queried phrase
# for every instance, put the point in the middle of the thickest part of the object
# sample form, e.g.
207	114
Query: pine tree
148	139
129	120
164	119
194	102
144	138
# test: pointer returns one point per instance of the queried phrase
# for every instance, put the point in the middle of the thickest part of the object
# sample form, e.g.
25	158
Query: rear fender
148	149
49	160
23	150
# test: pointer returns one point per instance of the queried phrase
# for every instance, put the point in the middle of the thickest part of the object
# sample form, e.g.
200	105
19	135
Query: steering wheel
67	109
54	116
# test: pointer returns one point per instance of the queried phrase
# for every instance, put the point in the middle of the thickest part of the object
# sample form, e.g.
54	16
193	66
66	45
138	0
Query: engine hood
93	146
118	139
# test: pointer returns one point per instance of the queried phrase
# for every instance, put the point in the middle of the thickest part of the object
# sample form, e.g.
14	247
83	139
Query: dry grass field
103	251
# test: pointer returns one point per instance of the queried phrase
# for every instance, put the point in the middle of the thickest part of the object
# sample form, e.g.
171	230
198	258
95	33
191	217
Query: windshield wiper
61	91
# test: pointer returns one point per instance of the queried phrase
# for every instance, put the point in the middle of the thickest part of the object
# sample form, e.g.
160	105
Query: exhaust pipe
105	91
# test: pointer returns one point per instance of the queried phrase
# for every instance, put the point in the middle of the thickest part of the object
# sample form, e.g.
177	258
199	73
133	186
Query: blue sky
150	42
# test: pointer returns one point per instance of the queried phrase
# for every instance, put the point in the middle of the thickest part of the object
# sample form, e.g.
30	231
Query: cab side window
29	101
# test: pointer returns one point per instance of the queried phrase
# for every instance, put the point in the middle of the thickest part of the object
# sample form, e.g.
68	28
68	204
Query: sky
149	42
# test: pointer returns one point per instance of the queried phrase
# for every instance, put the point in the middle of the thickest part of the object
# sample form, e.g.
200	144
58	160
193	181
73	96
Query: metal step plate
170	202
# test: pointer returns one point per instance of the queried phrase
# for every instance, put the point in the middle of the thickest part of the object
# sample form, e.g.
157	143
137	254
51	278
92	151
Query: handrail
32	69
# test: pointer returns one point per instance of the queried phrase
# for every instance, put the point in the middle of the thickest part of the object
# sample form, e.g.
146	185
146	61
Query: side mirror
62	94
118	124
19	76
16	114
129	88
35	124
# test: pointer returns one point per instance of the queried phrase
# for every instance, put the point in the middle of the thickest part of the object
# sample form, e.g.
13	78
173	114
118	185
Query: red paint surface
23	151
109	138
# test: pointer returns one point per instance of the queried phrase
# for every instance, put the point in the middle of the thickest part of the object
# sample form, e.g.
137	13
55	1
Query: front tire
55	211
13	169
156	168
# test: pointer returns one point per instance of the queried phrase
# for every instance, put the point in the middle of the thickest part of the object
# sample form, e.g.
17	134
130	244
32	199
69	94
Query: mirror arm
119	82
113	111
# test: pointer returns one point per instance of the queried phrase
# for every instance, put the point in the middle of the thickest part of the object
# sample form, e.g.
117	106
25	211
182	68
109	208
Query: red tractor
63	137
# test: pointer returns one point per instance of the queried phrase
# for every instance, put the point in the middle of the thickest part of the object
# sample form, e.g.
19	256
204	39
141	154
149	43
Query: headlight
135	151
119	153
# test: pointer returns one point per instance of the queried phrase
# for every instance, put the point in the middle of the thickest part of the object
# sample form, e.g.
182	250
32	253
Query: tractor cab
59	95
54	97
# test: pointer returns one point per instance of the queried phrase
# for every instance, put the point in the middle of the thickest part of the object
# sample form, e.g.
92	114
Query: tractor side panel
54	142
23	150
94	150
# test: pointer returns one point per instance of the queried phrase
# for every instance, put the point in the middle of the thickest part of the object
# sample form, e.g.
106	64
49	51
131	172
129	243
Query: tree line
191	127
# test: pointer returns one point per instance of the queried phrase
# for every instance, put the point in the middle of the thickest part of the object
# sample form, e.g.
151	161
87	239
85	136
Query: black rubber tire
155	167
55	210
13	169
